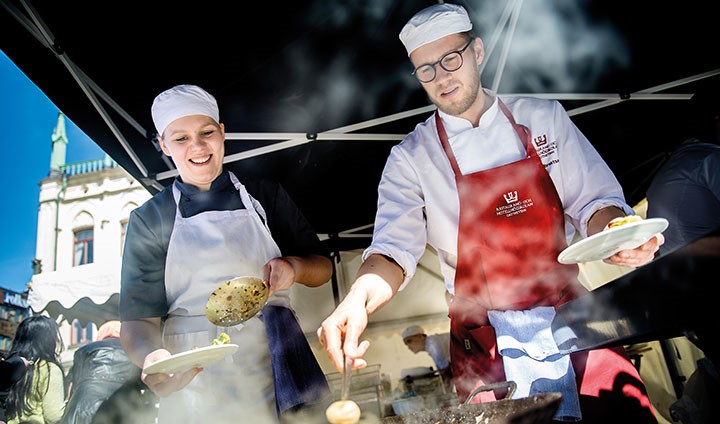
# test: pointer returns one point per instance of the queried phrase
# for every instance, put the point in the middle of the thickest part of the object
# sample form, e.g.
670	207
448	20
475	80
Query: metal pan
535	409
236	301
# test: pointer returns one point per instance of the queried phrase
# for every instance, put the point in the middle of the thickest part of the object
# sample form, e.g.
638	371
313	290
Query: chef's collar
222	182
455	125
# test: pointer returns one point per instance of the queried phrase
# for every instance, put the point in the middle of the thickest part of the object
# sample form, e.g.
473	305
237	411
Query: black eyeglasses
450	62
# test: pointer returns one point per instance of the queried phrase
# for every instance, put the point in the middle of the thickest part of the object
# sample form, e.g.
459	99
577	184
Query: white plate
608	242
192	358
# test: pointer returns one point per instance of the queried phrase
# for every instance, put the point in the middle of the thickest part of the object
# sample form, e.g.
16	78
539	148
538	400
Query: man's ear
479	50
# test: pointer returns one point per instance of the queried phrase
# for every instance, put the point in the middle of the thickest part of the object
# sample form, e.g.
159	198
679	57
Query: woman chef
203	230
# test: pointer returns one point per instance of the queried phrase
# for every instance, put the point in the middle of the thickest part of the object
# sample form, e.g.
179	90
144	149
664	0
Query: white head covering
434	23
413	330
182	100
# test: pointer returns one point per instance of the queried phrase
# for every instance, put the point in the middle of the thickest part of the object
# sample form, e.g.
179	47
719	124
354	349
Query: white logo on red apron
514	205
510	196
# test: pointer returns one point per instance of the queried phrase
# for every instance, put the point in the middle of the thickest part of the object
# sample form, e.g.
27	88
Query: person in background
39	396
206	228
103	375
686	189
686	192
498	186
12	369
436	345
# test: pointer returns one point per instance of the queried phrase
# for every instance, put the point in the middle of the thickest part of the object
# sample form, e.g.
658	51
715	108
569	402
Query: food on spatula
223	338
343	412
236	301
618	222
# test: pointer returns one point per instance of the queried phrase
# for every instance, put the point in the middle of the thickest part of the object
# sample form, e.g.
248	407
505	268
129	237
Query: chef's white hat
413	330
182	100
434	23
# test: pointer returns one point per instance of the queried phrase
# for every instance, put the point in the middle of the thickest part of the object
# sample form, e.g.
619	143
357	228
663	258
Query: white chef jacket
438	347
417	195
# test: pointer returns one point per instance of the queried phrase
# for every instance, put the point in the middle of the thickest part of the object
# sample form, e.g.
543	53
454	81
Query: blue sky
27	120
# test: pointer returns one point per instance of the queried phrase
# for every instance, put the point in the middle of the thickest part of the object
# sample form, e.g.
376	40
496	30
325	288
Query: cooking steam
355	65
350	66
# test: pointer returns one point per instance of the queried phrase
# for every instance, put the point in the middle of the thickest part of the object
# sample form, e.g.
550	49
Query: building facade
13	309
82	216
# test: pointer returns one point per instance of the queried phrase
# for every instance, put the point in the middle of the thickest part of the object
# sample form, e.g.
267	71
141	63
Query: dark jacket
12	369
100	370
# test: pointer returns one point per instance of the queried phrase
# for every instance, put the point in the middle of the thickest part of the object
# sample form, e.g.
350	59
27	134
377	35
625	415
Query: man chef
498	185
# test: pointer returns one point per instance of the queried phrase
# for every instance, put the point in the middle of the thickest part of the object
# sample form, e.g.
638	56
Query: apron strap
446	144
250	203
522	131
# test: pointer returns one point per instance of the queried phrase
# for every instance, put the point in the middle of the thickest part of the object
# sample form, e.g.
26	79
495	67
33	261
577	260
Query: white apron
204	251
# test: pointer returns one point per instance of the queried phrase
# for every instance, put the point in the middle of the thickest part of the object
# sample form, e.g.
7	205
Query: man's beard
461	106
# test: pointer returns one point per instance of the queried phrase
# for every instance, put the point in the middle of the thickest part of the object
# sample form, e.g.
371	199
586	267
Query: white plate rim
657	225
185	359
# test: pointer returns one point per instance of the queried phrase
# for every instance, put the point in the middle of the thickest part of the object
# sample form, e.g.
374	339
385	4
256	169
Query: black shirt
686	191
142	293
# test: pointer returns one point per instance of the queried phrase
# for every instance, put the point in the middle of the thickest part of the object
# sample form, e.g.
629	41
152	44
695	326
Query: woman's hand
279	273
165	384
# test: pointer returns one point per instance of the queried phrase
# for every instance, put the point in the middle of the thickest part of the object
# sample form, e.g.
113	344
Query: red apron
510	232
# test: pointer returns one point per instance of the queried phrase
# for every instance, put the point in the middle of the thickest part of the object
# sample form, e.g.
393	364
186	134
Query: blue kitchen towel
299	380
532	358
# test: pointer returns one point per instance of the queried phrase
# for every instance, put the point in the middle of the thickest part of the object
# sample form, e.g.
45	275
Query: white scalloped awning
88	293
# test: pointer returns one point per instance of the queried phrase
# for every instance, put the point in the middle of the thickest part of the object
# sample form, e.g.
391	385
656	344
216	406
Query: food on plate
343	412
618	222
223	338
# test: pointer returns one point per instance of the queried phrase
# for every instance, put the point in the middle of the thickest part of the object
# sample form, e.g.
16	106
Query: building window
83	251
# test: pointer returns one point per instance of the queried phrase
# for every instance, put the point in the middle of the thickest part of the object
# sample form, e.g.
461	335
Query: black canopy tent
315	93
319	92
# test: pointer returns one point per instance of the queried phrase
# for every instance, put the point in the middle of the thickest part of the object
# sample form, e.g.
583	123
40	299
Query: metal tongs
347	371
